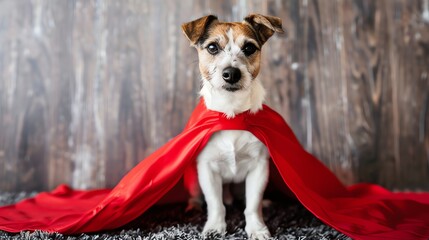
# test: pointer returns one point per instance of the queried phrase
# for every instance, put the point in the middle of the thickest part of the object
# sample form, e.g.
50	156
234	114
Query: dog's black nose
231	75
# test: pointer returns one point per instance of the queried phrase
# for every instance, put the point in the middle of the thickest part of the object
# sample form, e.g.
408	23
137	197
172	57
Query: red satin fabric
362	211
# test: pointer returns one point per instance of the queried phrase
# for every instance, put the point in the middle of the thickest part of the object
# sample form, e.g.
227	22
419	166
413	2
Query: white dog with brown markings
229	60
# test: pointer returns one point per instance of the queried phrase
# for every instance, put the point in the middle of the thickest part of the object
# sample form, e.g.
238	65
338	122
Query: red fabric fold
362	211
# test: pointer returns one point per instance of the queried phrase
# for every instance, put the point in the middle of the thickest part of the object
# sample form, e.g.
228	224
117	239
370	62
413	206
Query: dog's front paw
214	227
259	232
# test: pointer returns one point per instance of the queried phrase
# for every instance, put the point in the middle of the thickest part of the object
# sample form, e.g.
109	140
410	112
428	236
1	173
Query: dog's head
230	52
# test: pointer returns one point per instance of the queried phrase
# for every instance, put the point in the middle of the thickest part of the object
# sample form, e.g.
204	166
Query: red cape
362	211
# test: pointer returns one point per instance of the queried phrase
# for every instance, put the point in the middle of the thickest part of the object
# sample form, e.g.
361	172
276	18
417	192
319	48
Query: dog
229	62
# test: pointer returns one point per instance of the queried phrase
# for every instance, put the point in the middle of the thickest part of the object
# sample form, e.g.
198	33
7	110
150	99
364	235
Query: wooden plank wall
89	88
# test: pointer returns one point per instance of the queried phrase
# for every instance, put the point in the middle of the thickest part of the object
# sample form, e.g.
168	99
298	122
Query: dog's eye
249	49
213	48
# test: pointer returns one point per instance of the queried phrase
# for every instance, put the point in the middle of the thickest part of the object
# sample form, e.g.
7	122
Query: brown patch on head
256	62
219	32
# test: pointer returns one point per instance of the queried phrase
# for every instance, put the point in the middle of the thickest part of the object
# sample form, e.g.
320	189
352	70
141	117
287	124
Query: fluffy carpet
286	221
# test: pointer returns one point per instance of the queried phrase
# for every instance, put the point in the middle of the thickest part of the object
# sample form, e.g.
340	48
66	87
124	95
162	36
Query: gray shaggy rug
286	221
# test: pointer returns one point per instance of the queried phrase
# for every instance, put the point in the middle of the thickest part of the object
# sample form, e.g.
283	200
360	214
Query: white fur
233	156
232	103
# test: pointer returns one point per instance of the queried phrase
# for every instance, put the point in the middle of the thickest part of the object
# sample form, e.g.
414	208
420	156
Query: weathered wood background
89	88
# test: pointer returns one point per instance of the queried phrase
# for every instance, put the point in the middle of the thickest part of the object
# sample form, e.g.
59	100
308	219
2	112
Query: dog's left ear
195	30
265	26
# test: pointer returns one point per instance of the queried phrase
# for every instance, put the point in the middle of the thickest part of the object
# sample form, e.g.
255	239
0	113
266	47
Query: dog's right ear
265	26
195	30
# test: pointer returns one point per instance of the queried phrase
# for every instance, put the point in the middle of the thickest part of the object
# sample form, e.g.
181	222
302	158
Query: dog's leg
256	182
211	185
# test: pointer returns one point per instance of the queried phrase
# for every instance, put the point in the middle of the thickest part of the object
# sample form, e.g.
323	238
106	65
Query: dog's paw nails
213	229
258	234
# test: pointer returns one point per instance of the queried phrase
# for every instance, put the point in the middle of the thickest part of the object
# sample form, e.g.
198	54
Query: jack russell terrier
229	61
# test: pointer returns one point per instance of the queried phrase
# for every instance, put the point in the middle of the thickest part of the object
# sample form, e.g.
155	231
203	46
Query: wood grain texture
89	88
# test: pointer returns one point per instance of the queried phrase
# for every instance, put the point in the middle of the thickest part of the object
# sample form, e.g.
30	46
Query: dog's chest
232	153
